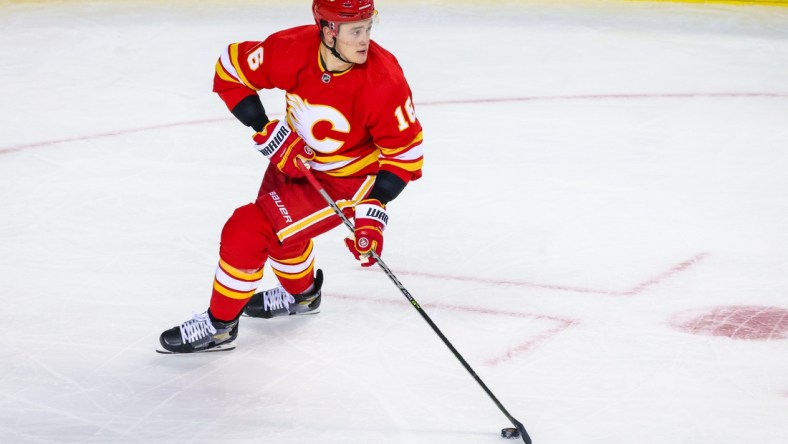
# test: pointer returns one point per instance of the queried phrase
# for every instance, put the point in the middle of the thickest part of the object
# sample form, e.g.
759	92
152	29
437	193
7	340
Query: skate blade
313	312
218	348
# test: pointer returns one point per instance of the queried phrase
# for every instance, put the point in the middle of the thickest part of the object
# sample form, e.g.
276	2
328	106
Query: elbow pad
251	113
387	187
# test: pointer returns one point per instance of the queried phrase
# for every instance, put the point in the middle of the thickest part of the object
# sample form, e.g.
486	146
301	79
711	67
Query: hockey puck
510	433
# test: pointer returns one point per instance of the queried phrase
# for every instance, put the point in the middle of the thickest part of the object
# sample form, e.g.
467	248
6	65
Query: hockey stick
507	433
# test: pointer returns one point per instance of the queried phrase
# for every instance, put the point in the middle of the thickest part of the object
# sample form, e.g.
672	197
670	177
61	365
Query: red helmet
342	11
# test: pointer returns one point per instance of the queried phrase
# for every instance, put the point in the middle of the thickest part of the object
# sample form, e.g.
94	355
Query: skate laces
197	327
277	299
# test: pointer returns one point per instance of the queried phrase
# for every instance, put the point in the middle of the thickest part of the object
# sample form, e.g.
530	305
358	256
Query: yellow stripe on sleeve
392	152
237	66
407	166
220	71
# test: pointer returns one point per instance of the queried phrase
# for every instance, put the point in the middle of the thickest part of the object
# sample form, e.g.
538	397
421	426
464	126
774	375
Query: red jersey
358	121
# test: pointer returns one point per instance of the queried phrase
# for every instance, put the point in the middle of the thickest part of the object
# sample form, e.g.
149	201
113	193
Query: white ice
593	170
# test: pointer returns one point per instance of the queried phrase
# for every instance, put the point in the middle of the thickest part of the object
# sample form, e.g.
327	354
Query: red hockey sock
294	266
232	288
246	238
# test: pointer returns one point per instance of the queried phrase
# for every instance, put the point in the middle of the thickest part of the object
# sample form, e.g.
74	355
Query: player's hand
371	219
282	146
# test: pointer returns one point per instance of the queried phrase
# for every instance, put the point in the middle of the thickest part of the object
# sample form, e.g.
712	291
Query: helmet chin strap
336	53
333	49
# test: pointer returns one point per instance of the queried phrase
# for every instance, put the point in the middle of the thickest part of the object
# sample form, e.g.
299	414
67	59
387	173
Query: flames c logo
304	116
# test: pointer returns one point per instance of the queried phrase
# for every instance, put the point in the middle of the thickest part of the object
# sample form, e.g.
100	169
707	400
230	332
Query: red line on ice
116	133
637	289
27	146
468	309
529	344
678	268
608	97
562	323
532	342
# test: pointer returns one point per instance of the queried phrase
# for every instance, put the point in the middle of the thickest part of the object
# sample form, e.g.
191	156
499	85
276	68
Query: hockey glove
371	220
282	146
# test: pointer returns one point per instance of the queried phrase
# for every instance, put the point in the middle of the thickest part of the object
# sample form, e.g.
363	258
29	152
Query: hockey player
350	117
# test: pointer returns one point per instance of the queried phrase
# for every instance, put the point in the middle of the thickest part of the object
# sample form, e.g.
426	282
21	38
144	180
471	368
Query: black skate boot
202	333
277	302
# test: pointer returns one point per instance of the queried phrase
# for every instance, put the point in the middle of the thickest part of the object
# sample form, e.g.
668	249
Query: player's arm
399	140
241	71
251	113
371	217
239	74
387	187
398	136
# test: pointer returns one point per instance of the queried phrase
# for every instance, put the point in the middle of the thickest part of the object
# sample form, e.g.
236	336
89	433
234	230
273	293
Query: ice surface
596	174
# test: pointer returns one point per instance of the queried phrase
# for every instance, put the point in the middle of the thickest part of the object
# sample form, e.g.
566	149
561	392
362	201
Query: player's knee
246	238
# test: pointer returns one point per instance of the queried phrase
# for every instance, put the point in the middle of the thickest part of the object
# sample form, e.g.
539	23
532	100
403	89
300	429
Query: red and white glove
371	219
282	146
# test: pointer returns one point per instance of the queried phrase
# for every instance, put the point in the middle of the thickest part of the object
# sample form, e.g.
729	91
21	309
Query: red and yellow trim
410	166
237	65
297	267
393	152
234	283
239	274
350	169
223	74
298	259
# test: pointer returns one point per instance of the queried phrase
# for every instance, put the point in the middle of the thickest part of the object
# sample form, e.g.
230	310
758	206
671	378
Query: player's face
352	41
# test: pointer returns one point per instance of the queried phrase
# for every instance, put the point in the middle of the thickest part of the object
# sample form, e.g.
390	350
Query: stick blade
516	432
523	432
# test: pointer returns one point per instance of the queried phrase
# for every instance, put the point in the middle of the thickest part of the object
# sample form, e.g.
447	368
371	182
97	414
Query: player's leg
245	241
299	214
294	265
299	291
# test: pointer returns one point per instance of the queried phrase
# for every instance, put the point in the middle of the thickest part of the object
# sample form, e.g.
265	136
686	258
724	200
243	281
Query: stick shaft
312	180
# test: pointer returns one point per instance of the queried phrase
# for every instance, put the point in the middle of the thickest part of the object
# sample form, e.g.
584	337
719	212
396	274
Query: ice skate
278	302
199	334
